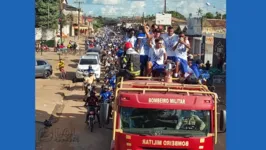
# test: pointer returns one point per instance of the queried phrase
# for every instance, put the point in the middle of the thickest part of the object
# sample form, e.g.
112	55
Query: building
204	36
72	14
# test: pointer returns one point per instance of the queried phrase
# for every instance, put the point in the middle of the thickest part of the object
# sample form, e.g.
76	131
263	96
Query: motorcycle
94	110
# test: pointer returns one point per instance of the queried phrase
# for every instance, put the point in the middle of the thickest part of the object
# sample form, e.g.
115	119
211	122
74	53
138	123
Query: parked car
43	68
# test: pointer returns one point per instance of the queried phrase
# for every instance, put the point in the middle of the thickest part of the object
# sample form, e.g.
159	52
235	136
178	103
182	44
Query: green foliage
209	15
178	30
217	15
98	22
176	15
41	13
224	16
149	17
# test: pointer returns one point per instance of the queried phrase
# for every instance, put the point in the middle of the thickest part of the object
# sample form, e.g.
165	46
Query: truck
155	115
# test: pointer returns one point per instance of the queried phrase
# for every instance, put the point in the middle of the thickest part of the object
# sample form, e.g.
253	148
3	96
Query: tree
199	12
41	14
209	15
224	16
218	15
178	30
177	15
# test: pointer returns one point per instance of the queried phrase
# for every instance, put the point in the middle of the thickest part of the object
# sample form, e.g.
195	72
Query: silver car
43	68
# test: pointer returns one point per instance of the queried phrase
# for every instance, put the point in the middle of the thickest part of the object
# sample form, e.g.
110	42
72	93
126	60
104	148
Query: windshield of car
165	121
88	62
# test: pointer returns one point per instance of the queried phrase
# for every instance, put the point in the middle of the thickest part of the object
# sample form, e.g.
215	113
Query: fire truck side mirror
222	121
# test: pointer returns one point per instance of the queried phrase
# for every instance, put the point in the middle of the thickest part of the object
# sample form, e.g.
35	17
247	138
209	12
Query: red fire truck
155	115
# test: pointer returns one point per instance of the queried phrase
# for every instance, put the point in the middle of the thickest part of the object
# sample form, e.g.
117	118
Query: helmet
128	45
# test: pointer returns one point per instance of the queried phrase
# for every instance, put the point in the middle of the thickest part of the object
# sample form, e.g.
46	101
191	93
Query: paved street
69	132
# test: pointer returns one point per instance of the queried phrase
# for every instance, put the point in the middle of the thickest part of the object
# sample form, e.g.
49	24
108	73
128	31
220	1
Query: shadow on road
70	132
69	75
73	65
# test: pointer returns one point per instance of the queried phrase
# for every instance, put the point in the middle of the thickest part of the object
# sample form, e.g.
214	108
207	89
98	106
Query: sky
116	8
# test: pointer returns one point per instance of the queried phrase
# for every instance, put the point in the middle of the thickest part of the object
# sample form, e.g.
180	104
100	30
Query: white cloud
106	2
129	8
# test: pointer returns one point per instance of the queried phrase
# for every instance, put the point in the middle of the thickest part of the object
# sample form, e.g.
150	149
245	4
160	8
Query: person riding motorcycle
89	80
92	104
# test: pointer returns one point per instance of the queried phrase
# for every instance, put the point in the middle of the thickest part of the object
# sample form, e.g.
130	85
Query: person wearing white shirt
131	38
153	34
181	49
157	57
143	49
170	40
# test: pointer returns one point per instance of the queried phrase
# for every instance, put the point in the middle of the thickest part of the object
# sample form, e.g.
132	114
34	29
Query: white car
94	54
84	63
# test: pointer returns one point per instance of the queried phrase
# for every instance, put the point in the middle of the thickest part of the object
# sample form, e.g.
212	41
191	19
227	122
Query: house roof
70	8
214	23
175	21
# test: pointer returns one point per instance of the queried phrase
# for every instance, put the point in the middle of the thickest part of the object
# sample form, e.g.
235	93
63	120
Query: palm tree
199	12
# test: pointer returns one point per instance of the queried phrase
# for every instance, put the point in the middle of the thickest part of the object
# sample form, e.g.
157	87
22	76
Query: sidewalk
46	102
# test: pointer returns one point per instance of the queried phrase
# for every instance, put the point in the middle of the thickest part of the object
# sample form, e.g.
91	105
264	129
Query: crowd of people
148	51
142	52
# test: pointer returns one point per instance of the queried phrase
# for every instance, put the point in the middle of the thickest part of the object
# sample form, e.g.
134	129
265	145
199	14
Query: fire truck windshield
168	122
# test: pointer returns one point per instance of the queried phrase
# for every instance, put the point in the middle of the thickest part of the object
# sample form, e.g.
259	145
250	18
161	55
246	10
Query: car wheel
46	74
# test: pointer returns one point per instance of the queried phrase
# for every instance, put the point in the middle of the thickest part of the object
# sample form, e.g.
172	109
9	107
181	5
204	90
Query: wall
214	30
65	29
45	34
75	15
194	26
196	49
212	46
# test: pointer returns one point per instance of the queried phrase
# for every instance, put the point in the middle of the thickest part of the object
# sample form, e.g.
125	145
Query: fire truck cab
151	115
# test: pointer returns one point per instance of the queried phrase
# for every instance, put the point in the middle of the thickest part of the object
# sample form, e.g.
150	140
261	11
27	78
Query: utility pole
60	20
78	2
164	6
